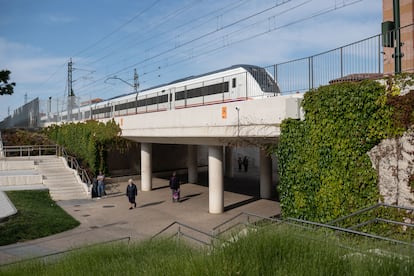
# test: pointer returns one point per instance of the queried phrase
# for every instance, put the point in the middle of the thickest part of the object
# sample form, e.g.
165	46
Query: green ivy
325	172
88	141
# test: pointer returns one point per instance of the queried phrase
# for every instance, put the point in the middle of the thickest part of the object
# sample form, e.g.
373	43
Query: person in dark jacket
175	187
131	193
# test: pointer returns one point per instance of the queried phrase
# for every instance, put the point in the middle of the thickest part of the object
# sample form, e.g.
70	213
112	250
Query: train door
171	98
241	86
236	86
233	87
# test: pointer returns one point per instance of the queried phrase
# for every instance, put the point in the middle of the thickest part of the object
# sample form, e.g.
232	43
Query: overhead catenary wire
215	49
118	28
277	4
198	47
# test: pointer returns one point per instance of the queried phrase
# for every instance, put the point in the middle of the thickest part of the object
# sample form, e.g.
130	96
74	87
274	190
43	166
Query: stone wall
394	161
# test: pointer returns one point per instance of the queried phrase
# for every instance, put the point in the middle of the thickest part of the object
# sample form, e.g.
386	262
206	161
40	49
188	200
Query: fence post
379	54
178	234
342	62
310	63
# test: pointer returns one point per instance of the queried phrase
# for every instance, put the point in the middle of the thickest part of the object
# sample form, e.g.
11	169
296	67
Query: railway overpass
219	126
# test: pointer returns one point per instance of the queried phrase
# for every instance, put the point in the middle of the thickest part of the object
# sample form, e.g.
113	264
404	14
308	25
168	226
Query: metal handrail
350	231
291	221
180	233
74	164
215	232
29	150
214	235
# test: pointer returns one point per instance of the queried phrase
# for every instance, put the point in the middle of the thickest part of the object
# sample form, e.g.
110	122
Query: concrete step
68	196
72	184
60	179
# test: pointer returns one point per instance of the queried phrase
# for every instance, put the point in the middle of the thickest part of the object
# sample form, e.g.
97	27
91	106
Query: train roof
247	67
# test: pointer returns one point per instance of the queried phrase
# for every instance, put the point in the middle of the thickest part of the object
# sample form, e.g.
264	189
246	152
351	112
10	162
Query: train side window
233	83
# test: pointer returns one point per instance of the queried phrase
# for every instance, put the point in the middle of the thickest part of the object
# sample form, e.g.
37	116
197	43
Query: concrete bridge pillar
192	164
265	175
215	179
146	166
229	162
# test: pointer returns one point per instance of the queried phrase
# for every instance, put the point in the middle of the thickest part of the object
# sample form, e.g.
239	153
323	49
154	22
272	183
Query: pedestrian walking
175	187
131	193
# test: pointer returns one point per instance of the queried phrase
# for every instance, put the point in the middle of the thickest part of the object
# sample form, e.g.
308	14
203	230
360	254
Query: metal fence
301	75
368	58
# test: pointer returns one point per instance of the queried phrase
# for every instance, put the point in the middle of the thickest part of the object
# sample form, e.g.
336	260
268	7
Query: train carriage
236	83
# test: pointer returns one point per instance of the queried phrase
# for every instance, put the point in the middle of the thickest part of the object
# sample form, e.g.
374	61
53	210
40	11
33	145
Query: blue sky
163	40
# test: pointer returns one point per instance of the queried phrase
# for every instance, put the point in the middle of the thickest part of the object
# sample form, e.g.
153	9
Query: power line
277	4
118	28
319	13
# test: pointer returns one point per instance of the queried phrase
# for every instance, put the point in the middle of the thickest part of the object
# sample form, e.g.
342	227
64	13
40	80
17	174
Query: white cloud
29	70
60	19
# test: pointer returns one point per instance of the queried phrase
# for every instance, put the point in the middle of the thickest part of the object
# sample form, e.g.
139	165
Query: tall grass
270	250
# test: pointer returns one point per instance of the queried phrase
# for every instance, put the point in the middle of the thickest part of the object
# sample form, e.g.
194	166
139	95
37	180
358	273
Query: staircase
63	182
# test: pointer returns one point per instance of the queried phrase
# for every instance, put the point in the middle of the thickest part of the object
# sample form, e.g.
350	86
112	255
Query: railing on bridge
301	75
370	57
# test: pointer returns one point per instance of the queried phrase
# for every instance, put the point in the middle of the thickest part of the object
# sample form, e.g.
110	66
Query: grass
269	250
266	250
37	216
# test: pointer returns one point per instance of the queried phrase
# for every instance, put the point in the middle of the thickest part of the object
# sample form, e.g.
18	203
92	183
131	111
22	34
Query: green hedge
88	141
324	168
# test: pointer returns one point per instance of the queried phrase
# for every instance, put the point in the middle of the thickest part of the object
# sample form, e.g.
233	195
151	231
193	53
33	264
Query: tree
6	88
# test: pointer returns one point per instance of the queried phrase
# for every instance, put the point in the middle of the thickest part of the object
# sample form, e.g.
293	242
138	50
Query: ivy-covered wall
88	141
325	172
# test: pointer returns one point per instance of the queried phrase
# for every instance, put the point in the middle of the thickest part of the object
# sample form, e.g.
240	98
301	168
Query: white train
236	83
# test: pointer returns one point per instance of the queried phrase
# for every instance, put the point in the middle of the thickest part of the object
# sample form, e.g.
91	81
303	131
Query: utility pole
70	90
71	95
136	82
136	85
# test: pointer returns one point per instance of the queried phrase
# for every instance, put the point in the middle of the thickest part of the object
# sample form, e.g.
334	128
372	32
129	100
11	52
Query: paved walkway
109	218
